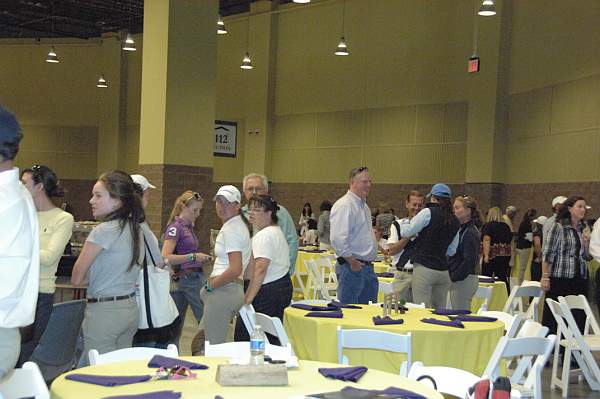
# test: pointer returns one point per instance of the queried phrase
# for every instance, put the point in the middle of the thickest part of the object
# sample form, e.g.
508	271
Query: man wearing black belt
354	243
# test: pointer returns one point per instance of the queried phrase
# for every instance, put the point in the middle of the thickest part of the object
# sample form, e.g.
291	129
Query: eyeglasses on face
255	190
194	196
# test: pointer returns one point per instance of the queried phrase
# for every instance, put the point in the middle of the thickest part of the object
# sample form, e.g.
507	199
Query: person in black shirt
497	251
525	241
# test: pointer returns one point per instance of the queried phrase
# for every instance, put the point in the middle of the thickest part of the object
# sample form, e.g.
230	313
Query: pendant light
487	8
301	1
221	29
129	43
102	82
247	61
52	57
342	47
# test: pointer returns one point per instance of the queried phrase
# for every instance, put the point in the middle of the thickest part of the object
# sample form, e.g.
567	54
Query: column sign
225	139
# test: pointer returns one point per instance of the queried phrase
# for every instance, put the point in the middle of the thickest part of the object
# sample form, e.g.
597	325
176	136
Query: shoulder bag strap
147	284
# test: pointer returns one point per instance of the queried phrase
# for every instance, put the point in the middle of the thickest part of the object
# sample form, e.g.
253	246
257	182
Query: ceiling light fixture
129	43
342	47
487	8
221	29
301	1
52	57
247	61
102	82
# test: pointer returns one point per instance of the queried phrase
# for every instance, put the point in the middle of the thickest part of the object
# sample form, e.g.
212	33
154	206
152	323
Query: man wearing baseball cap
19	247
145	185
438	238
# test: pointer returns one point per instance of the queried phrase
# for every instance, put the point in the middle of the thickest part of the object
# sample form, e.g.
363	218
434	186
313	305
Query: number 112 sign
225	139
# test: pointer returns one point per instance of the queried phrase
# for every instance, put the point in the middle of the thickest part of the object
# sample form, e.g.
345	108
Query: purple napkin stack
352	374
336	314
149	395
168	362
108	380
489	280
381	321
391	391
314	308
385	274
446	312
447	323
473	318
337	304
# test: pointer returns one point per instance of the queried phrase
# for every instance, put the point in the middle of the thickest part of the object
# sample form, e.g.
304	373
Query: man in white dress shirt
19	247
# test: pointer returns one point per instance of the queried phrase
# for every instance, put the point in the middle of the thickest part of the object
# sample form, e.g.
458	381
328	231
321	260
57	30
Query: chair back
486	294
26	382
515	304
580	302
273	326
512	323
532	328
316	280
56	351
375	339
248	317
448	380
136	353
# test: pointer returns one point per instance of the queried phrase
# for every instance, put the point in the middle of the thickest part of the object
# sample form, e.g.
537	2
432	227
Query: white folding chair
486	294
26	382
241	350
446	380
580	346
375	339
268	324
136	353
327	269
533	353
512	323
316	283
515	304
248	316
529	328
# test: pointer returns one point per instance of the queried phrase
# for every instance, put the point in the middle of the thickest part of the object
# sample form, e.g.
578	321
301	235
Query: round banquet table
314	338
499	295
303	380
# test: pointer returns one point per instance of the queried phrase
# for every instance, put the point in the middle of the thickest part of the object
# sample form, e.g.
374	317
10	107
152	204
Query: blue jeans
356	287
190	284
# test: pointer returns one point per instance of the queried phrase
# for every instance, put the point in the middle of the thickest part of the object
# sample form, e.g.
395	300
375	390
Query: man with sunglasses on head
19	247
353	241
256	184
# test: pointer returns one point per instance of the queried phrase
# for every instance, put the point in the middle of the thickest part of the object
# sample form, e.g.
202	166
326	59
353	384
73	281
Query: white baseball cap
230	193
558	200
142	181
540	220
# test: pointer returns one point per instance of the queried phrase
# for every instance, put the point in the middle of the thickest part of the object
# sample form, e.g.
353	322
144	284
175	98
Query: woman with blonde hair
497	251
180	250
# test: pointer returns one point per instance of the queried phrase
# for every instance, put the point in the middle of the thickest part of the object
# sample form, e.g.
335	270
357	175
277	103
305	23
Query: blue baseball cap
440	190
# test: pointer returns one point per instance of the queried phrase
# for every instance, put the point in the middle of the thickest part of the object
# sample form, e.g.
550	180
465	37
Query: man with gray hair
353	240
19	247
257	184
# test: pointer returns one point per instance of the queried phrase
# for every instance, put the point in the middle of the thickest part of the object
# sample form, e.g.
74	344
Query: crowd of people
439	248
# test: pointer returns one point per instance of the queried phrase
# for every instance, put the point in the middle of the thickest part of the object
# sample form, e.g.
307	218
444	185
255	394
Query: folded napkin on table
149	395
168	362
487	280
392	391
446	312
448	323
467	317
337	304
385	274
380	321
336	314
344	373
314	308
108	380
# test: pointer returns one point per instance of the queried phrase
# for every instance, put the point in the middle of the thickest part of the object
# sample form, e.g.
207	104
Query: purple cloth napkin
344	373
448	323
337	304
314	308
446	312
392	391
467	317
385	274
108	380
490	280
336	314
168	362
380	321
149	395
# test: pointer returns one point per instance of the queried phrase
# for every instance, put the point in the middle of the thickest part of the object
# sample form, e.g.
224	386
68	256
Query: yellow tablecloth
304	380
469	348
499	295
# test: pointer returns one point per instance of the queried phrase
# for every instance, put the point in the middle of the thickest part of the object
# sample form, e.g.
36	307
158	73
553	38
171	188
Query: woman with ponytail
462	266
109	262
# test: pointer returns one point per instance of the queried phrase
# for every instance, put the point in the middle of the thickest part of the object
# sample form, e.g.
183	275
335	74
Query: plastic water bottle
257	346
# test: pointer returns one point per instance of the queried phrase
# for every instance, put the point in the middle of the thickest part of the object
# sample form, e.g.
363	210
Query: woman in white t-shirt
223	293
270	289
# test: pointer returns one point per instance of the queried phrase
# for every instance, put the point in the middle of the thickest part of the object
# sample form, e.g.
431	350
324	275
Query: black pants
564	287
536	271
271	299
31	335
498	267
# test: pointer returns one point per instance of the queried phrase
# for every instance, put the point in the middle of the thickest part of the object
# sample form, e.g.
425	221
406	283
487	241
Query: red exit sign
473	65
